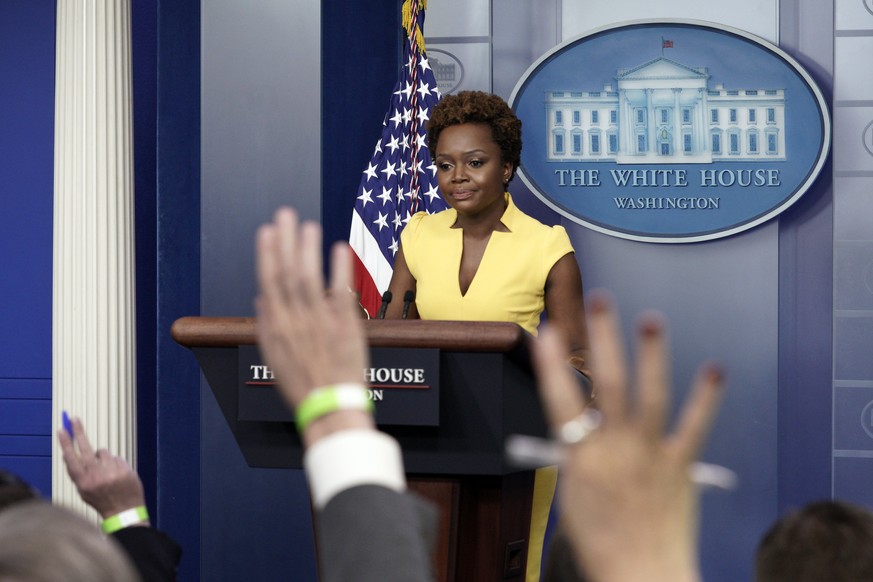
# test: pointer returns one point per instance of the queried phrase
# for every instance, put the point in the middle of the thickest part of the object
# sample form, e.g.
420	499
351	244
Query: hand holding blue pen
105	482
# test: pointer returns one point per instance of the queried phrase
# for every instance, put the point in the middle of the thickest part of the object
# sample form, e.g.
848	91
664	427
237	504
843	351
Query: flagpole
416	41
400	177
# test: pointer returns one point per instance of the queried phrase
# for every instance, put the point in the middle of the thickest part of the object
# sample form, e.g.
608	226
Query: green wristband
322	401
124	519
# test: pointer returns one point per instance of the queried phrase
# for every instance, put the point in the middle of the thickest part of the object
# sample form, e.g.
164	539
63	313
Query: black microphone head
408	297
386	299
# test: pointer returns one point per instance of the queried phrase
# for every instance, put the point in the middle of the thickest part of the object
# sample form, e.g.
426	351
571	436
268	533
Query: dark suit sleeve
154	554
561	563
374	534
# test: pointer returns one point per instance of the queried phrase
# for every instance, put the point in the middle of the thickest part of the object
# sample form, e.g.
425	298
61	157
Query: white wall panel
760	17
852	130
853	55
450	18
853	15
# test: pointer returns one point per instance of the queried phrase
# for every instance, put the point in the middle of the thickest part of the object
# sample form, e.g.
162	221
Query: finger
609	365
653	374
65	441
341	270
266	260
287	249
343	298
81	439
558	387
697	415
68	453
313	311
287	303
312	269
341	294
273	302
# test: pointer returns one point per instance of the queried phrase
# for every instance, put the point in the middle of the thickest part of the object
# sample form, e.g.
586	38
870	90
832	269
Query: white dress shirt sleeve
350	458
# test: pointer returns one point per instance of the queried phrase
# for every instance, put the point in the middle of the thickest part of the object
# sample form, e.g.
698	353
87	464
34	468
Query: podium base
484	524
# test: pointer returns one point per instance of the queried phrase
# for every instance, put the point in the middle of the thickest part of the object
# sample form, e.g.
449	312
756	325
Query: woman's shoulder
422	224
423	220
552	242
555	238
534	227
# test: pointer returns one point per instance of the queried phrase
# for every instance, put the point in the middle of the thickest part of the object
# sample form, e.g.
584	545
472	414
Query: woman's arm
401	282
566	310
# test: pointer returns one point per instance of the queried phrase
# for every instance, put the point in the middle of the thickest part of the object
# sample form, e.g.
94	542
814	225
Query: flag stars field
382	221
400	168
366	196
389	170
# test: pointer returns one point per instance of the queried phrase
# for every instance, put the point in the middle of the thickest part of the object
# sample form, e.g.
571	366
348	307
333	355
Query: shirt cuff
350	458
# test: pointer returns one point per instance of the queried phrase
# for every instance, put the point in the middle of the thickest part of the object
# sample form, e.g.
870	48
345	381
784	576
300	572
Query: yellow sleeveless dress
508	286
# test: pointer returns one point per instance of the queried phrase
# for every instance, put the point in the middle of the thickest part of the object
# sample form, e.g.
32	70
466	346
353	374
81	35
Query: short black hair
478	107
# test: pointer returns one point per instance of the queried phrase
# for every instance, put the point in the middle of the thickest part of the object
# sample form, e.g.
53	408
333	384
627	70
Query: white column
650	130
627	124
624	124
704	116
678	146
93	328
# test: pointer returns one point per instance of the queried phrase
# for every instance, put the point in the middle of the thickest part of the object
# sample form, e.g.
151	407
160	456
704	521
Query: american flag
400	178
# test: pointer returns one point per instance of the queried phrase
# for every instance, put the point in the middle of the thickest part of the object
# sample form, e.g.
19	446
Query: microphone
407	301
386	299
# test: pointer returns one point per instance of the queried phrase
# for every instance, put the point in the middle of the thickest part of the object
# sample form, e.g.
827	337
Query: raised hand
308	337
628	501
104	481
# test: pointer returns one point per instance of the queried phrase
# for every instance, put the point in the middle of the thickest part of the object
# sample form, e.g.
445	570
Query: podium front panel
483	398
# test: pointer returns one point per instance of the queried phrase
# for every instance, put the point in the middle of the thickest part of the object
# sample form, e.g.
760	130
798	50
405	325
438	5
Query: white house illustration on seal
663	112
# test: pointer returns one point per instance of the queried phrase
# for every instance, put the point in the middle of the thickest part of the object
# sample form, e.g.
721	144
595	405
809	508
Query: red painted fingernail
716	372
598	301
650	328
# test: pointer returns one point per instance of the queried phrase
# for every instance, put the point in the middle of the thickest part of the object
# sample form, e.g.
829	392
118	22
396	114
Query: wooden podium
486	392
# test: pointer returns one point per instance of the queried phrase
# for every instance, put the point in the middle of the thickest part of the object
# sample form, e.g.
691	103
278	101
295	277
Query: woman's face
470	172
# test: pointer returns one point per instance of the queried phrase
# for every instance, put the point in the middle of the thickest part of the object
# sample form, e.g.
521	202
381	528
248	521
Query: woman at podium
483	259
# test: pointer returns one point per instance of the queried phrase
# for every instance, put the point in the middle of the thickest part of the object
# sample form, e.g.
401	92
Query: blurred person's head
40	542
14	489
826	541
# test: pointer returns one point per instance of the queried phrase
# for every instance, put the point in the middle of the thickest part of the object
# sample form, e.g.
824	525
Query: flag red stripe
370	297
399	170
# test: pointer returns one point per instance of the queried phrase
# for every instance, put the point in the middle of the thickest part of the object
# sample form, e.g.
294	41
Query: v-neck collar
509	220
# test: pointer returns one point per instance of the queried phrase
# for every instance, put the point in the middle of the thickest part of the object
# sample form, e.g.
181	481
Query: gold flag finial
410	22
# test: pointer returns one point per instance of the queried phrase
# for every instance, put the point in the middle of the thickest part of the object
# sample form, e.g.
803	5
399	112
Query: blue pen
68	426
